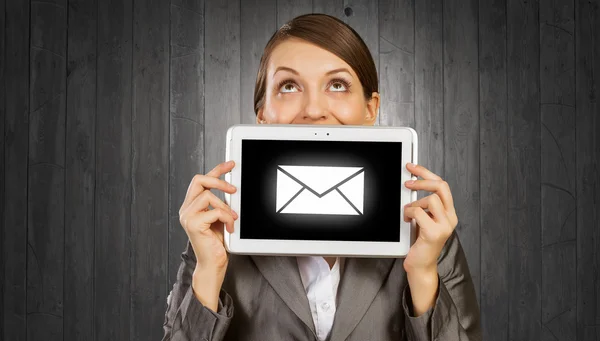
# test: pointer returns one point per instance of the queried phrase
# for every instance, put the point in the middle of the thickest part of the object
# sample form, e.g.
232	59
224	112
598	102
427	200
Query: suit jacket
263	299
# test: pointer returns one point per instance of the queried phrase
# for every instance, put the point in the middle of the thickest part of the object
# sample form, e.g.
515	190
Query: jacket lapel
361	280
283	276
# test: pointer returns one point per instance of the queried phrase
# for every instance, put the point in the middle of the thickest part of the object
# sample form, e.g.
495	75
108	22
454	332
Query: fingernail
235	215
410	182
230	163
409	164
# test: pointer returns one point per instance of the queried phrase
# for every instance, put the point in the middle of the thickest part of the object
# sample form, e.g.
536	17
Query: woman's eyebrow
342	69
285	68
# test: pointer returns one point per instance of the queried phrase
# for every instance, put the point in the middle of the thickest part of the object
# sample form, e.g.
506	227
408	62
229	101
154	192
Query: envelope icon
320	190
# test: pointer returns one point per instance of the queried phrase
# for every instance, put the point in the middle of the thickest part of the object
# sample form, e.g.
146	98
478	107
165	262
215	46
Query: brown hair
329	33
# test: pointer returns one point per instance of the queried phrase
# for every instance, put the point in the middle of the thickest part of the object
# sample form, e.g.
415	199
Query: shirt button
325	306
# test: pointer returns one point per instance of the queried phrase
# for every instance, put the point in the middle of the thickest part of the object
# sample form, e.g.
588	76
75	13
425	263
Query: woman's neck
330	261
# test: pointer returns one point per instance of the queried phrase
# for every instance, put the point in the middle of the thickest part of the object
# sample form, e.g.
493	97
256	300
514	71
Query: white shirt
321	286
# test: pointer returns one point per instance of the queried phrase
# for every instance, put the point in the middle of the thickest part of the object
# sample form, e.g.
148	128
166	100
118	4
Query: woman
317	70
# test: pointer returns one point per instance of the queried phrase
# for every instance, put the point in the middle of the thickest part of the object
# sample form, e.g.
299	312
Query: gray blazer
263	299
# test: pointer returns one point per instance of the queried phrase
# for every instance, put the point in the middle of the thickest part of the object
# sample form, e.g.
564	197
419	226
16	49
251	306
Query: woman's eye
339	86
287	87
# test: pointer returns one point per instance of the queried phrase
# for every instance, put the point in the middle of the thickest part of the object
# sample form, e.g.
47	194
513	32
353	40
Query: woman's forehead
306	58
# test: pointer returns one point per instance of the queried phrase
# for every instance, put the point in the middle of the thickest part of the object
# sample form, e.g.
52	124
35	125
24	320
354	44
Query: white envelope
320	190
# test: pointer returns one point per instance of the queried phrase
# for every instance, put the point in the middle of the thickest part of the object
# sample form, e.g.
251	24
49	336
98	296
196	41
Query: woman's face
310	85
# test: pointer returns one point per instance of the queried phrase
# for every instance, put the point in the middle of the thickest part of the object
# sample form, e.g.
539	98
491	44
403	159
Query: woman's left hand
436	219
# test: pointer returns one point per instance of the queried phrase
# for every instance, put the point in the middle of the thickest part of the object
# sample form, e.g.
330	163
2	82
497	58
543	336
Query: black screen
269	162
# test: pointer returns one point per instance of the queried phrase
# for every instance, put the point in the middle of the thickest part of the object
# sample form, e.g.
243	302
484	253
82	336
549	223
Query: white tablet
320	190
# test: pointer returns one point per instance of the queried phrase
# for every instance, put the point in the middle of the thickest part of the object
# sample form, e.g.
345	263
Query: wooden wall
109	108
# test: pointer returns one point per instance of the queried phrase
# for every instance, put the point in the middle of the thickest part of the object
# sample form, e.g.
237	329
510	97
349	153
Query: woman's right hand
204	228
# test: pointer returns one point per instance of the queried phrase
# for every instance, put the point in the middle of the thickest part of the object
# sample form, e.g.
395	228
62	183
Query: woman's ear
260	118
372	109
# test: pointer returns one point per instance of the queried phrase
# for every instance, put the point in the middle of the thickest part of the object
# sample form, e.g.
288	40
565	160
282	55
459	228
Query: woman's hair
329	33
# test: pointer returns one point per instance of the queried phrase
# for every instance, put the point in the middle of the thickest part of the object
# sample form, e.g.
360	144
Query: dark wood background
109	108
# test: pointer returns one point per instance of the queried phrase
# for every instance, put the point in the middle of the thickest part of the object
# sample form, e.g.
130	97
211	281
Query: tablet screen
321	190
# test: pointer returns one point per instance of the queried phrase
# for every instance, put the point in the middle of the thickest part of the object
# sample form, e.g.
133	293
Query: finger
439	187
221	169
201	205
202	182
217	228
202	222
417	229
421	171
434	204
203	200
422	218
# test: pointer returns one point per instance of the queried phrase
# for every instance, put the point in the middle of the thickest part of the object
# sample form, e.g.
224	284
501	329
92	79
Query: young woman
317	70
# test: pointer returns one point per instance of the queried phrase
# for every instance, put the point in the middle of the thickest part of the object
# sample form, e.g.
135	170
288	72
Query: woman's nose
315	108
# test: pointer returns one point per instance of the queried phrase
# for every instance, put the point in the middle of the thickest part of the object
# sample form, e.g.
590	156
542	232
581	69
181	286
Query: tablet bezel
237	133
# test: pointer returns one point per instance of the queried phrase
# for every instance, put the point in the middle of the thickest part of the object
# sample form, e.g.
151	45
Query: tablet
320	190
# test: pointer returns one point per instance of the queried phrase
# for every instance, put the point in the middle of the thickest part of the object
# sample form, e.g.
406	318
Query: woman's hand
204	228
436	220
435	216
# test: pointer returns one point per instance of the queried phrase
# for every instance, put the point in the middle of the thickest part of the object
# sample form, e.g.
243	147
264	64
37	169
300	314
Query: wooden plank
46	187
150	168
559	284
2	143
461	124
331	7
289	9
587	52
80	168
187	116
222	77
590	332
493	163
16	149
397	63
112	291
258	24
558	170
429	86
363	16
524	178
